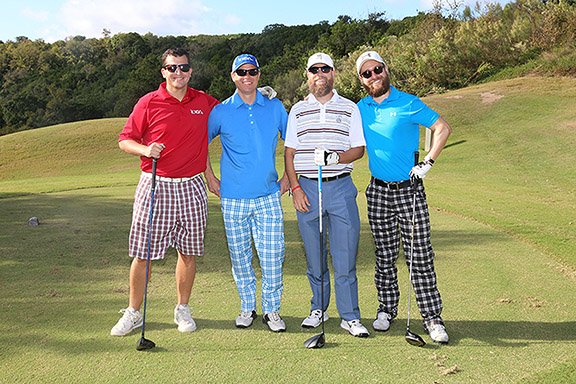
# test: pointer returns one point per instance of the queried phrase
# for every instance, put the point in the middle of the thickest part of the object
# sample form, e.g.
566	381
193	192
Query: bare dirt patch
490	97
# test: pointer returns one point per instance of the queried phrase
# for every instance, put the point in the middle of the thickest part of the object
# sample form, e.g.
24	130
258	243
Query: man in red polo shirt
169	124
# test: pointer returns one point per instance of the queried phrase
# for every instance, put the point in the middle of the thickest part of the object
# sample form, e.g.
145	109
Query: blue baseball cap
242	59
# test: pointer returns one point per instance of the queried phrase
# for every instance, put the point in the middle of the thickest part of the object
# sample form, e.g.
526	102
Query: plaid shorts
390	218
179	218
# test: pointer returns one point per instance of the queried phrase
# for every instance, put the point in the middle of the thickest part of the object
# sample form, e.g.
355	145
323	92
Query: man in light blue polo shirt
391	120
249	124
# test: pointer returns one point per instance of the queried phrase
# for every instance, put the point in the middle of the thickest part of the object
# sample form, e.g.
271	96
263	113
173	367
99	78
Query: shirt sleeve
283	120
422	114
137	123
213	124
356	130
291	140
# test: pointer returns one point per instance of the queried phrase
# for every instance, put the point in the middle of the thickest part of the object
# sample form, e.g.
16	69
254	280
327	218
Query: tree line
447	48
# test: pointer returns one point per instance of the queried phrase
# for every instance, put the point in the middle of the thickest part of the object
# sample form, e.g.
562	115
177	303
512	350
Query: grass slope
502	211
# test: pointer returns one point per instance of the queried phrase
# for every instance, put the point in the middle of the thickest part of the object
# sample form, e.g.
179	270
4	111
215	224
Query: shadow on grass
462	332
499	333
508	334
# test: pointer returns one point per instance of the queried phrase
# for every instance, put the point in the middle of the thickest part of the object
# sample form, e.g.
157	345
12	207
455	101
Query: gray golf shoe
274	322
245	319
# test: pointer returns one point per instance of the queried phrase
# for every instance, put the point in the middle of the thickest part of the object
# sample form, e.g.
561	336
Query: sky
52	20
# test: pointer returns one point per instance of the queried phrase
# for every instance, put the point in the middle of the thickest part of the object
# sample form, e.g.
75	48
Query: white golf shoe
437	333
183	318
245	319
315	319
130	320
382	322
274	322
355	328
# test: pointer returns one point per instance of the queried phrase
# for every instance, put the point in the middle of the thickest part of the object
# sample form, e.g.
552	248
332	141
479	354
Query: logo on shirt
392	114
196	112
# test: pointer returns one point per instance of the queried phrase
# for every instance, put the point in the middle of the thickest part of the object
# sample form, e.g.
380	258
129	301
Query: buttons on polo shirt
251	116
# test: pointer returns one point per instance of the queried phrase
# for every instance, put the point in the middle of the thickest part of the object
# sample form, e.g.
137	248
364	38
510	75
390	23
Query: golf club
411	337
318	341
145	344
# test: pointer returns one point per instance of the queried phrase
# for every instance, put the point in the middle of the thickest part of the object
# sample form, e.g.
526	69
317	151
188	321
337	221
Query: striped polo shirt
335	126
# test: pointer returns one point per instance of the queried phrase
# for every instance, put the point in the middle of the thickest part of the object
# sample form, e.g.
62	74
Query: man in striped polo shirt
326	129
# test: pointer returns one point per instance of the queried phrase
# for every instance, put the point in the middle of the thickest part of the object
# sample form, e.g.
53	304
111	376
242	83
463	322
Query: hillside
508	163
502	211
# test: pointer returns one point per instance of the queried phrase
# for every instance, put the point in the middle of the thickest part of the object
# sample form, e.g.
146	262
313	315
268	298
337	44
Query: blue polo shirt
249	135
392	133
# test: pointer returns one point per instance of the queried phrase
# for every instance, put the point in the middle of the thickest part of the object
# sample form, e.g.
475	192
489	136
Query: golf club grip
154	162
416	157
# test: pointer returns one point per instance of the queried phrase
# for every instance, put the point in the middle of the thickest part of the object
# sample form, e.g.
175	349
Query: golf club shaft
321	243
413	222
150	216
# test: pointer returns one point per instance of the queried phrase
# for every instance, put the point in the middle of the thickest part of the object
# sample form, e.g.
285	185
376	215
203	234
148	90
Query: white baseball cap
319	58
367	56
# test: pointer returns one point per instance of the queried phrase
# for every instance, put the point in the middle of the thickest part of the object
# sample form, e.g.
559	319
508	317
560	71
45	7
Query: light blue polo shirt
392	133
249	135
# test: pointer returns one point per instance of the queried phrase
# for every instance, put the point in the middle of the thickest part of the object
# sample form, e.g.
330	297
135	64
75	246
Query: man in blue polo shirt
391	120
249	125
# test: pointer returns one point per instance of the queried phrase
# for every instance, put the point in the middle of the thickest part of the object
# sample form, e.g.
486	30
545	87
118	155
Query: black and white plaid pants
390	217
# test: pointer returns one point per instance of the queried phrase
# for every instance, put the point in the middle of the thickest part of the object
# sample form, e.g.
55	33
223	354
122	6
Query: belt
170	179
332	178
396	185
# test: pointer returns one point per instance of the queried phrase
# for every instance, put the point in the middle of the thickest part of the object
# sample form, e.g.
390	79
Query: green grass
502	207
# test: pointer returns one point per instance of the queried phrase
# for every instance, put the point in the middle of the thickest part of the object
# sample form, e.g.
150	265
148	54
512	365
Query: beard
321	90
378	90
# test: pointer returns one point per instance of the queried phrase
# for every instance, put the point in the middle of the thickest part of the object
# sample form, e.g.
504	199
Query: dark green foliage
78	78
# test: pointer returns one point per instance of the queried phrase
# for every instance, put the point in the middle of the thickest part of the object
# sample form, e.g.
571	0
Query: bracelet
295	188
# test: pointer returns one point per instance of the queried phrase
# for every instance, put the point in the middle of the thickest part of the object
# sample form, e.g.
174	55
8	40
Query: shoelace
274	316
385	315
354	323
246	315
131	318
316	313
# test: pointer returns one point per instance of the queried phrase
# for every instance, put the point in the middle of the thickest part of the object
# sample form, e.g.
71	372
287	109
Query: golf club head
316	341
144	344
414	339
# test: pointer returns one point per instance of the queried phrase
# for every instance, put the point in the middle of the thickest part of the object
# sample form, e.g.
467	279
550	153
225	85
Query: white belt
171	179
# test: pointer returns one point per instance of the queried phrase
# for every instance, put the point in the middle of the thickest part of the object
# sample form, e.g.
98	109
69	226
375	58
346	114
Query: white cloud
173	17
35	14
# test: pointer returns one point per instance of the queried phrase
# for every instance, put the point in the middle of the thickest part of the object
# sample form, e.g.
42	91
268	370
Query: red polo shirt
182	126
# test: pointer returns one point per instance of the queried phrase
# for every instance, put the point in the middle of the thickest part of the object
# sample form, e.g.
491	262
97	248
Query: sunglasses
324	69
173	67
377	70
243	72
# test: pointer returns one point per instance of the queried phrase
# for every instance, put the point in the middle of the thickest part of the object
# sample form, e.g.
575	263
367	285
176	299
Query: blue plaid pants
262	220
